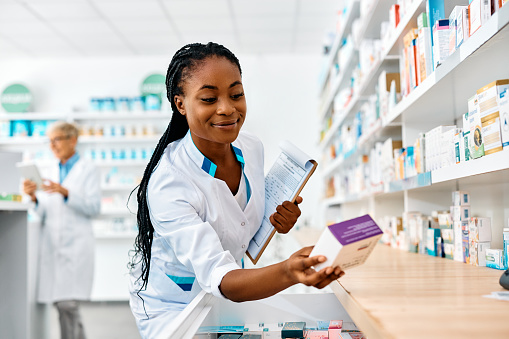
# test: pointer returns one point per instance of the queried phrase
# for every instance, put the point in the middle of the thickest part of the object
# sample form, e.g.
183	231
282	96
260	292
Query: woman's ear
179	103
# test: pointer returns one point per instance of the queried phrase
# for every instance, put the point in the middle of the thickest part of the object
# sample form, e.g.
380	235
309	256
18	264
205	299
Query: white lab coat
200	231
66	246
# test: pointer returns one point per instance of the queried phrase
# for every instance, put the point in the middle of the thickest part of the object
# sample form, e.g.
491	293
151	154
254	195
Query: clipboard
31	172
284	181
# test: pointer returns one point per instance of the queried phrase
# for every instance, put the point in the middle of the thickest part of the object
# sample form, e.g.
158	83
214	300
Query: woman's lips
226	124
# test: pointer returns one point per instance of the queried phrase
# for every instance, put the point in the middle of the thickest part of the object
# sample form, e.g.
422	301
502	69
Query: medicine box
253	328
495	258
335	328
461	25
458	242
449	251
445	220
460	213
491	134
447	235
440	41
461	198
478	13
316	334
431	245
466	247
478	253
489	96
476	141
294	329
272	331
504	117
347	244
479	229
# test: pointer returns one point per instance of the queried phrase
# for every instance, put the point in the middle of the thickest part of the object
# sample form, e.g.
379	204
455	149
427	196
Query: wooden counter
397	294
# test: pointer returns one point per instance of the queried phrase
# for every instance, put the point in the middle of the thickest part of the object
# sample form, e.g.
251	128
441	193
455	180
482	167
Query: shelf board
116	140
23	141
115	236
397	294
459	75
134	115
118	187
33	116
119	212
13	206
418	181
121	163
487	164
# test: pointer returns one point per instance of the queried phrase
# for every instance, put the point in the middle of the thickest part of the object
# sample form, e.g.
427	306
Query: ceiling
68	28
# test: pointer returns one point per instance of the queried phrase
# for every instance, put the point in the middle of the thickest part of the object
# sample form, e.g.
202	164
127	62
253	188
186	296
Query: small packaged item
108	105
495	258
95	104
476	141
316	334
461	198
504	118
460	213
137	104
123	104
479	229
449	251
478	253
293	329
431	246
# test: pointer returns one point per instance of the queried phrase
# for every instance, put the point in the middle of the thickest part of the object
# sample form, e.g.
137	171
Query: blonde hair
70	130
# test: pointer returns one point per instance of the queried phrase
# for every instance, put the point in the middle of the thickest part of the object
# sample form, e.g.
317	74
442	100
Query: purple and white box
348	243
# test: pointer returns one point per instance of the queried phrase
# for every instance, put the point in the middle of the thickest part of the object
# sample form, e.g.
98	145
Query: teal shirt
66	168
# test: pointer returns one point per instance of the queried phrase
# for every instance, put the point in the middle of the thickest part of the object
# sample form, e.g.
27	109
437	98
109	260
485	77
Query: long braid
182	63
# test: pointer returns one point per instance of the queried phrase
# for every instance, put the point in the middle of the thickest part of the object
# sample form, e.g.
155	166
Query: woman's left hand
286	215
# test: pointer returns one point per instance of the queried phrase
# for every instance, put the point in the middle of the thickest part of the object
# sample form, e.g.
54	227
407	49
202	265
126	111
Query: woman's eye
208	99
236	96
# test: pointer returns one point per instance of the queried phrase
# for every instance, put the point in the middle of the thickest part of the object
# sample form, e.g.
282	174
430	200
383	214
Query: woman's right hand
299	269
29	187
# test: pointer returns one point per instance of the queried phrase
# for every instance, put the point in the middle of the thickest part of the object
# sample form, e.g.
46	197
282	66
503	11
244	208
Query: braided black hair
182	63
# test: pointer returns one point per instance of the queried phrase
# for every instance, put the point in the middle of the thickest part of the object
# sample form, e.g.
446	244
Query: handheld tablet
31	172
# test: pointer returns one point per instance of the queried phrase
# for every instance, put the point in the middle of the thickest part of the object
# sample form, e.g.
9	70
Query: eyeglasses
58	139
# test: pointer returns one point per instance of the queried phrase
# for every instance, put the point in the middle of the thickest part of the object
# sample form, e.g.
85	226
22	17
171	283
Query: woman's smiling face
213	101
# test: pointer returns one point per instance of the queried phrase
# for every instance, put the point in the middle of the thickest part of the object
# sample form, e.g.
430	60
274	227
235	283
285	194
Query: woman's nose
225	107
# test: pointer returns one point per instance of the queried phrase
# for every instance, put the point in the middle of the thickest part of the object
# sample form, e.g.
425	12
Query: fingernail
322	259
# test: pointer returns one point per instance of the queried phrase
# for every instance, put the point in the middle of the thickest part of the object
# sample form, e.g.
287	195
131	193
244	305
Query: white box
460	213
347	244
440	41
478	253
478	13
491	134
461	198
462	26
479	229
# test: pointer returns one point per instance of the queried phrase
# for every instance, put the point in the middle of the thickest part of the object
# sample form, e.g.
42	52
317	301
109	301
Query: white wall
281	92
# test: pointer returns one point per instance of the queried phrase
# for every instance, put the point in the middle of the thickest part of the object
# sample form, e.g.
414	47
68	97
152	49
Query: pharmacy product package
347	244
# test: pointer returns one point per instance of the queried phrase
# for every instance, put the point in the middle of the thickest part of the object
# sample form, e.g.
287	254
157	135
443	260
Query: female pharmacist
69	199
202	197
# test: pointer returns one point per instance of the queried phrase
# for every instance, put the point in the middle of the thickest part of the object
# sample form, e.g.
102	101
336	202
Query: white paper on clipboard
285	180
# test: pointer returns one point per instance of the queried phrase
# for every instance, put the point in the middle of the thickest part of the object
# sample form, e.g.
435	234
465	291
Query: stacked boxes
489	109
460	211
479	234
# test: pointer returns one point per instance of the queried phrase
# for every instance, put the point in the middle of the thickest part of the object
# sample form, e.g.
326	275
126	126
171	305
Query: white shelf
13	206
121	163
120	115
118	187
33	116
487	164
23	141
116	140
117	212
118	236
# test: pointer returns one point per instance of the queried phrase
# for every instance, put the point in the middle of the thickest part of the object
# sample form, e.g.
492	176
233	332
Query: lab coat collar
202	161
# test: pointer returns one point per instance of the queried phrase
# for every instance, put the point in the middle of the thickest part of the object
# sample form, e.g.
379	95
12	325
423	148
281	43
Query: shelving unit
397	294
